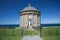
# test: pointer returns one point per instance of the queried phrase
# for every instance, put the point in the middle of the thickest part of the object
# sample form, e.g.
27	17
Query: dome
29	7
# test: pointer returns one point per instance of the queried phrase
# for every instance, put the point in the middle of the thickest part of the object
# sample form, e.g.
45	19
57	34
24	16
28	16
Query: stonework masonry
29	18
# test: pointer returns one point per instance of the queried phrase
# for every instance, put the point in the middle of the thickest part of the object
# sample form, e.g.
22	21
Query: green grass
51	37
35	32
10	38
10	34
51	33
15	34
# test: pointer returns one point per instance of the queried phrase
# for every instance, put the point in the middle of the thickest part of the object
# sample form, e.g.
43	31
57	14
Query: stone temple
29	18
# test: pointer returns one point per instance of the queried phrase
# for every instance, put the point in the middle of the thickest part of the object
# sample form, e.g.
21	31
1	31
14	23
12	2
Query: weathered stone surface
29	17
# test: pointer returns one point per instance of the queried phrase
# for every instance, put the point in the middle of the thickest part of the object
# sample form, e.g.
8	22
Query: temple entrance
30	23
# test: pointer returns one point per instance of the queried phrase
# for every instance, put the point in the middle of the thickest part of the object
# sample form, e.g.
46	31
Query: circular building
29	18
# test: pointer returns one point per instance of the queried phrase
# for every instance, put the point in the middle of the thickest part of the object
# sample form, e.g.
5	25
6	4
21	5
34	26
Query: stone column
21	21
36	20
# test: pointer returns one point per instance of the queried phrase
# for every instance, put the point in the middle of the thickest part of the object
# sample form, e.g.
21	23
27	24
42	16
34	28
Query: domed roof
29	7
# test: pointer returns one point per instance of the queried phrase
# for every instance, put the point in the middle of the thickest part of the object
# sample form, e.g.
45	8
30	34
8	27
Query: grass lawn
10	34
10	38
51	37
35	32
51	33
15	34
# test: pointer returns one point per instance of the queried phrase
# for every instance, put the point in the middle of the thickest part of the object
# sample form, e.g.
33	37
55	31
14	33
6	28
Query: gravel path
31	38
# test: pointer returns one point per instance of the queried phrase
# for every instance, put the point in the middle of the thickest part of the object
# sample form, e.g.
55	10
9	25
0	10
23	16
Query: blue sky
9	10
